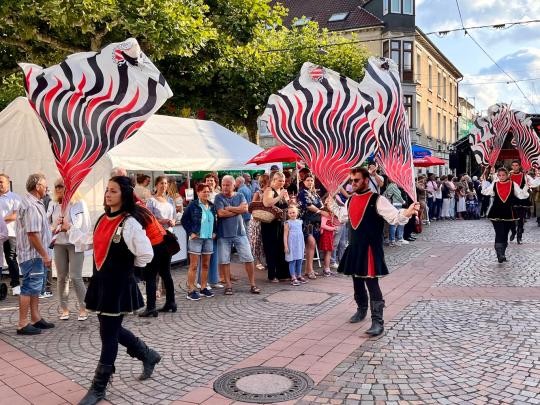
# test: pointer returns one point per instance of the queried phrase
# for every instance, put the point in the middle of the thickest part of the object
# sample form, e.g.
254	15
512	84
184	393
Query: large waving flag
382	88
527	142
91	102
321	117
489	134
334	124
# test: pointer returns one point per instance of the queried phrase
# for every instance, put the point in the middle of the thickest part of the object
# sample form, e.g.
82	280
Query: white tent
162	144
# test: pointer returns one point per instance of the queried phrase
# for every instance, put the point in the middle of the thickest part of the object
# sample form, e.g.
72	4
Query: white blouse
518	192
384	208
137	242
162	210
81	226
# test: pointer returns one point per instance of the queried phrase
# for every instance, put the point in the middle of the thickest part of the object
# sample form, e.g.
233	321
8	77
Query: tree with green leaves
225	57
44	32
235	87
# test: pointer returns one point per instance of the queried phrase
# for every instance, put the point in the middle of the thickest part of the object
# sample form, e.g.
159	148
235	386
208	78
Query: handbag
264	214
171	242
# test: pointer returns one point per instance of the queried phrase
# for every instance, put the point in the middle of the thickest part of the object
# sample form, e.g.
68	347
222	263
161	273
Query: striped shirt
31	218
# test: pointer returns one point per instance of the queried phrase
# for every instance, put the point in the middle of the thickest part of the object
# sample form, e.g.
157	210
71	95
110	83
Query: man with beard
363	259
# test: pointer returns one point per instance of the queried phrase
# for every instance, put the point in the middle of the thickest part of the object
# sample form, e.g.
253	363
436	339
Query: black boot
500	250
169	306
148	356
362	307
505	245
148	313
377	321
99	384
519	236
360	315
512	235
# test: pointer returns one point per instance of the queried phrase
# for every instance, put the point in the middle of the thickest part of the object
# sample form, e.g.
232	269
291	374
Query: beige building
387	28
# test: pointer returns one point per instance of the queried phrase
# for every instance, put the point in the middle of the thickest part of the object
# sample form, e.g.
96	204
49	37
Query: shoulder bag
264	214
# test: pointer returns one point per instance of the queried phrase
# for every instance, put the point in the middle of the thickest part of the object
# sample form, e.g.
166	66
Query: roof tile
321	10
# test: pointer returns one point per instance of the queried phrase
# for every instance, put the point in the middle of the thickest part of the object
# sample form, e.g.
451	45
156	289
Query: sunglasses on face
356	180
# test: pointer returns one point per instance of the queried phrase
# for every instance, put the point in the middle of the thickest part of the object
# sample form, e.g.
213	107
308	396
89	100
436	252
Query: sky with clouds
516	49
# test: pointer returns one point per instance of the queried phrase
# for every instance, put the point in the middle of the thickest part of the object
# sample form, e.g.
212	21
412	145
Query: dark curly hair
129	205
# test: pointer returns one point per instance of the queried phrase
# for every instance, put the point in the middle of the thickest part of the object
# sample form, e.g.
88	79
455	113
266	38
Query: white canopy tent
163	143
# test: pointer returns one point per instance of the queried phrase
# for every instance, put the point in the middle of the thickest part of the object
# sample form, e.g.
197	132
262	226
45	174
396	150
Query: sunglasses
357	180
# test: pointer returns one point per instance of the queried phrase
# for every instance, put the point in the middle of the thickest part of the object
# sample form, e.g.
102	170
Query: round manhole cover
263	385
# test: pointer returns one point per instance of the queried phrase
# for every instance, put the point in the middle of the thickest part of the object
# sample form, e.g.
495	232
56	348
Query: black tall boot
148	356
99	384
377	321
505	245
361	310
500	249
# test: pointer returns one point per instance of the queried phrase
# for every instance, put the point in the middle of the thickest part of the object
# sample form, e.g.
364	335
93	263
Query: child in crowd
326	242
293	238
472	204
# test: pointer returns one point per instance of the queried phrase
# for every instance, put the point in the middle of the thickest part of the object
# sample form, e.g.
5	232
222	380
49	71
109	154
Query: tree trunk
252	130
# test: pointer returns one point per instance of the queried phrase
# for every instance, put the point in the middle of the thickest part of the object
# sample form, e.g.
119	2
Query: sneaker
208	286
16	290
327	273
205	292
302	280
193	296
46	294
392	244
295	282
197	285
334	265
218	285
403	242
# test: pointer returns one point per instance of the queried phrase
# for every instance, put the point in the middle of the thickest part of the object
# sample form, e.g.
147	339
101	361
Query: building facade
388	28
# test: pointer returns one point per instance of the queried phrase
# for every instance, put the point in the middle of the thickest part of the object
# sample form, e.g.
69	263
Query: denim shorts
242	246
201	246
32	271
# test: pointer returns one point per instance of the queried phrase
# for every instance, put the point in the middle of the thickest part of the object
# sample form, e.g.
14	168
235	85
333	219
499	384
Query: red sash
504	190
103	236
357	208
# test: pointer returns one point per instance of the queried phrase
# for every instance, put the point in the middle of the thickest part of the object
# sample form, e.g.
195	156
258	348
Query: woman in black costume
120	245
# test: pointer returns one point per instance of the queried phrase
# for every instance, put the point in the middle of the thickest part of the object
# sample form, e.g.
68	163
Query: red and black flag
91	102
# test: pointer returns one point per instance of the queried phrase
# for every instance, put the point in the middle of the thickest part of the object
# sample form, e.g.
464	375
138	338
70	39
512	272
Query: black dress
364	256
113	288
274	249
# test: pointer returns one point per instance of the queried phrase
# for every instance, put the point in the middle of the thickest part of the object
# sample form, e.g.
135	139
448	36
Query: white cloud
515	48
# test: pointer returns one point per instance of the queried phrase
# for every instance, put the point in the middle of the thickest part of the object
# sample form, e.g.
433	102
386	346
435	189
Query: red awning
280	153
429	161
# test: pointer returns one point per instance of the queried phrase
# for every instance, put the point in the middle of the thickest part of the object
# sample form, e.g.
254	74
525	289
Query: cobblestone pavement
480	268
473	231
432	354
455	332
198	343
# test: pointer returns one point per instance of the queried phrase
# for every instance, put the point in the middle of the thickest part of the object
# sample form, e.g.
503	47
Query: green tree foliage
10	88
234	88
215	54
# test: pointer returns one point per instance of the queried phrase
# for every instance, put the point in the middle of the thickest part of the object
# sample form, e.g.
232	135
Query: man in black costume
363	259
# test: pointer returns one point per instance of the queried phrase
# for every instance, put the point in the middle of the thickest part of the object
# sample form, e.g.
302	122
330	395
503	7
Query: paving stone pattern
470	232
442	352
198	343
480	268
